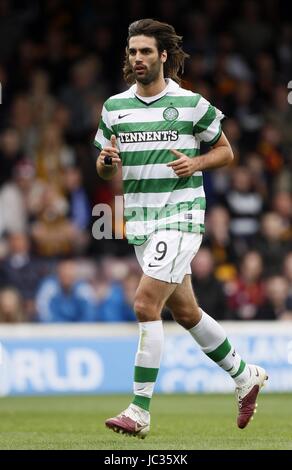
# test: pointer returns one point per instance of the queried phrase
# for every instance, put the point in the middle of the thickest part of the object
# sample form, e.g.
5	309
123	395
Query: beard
150	75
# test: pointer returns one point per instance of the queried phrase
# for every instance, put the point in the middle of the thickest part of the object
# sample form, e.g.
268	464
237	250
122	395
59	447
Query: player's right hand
111	152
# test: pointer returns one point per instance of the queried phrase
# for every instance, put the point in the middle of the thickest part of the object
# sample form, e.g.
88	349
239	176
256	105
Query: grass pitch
179	422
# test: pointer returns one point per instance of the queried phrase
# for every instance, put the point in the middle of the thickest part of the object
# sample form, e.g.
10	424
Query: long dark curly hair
166	40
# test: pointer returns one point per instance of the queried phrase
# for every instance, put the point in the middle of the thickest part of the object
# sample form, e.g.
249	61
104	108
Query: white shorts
167	254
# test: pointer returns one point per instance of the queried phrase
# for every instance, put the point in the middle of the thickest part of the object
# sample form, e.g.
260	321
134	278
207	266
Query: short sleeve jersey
154	197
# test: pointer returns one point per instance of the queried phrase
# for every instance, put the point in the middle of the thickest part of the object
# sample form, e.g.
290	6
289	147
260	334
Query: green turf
178	422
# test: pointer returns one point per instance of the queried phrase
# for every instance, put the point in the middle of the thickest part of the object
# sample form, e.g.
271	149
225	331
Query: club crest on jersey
170	114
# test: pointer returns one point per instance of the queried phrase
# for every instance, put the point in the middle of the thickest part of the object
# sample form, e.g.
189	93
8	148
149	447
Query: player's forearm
219	156
106	172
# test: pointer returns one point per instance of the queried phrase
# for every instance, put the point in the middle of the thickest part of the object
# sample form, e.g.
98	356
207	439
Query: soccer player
154	129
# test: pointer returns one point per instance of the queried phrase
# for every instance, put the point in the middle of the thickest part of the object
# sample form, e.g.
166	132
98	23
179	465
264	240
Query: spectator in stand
276	305
21	271
245	206
20	198
30	188
65	297
287	271
85	88
42	103
265	76
252	32
79	208
209	290
10	153
256	167
118	304
233	133
21	119
10	306
56	58
283	51
53	156
219	241
52	233
271	244
282	204
269	146
120	278
279	115
13	215
61	118
245	107
218	180
246	293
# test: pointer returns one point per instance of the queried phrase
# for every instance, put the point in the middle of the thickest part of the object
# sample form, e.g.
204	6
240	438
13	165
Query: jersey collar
170	87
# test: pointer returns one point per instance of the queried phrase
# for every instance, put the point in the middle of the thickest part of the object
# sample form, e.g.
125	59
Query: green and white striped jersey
154	197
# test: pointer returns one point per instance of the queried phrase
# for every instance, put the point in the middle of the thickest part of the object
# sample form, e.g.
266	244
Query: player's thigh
182	302
153	292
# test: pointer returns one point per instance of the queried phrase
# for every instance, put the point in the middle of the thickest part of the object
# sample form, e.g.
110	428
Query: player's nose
138	58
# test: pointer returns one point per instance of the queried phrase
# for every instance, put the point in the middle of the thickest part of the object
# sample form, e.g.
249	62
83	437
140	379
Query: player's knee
184	321
146	311
187	318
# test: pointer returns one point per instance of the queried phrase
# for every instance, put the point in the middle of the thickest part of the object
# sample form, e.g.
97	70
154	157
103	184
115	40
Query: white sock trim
144	389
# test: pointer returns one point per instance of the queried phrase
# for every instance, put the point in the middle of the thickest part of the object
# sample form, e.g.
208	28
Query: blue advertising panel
45	366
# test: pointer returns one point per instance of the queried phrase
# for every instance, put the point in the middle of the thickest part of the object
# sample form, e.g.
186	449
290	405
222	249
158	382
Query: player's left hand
183	166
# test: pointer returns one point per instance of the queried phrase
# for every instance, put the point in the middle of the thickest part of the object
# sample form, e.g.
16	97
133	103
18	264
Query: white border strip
95	330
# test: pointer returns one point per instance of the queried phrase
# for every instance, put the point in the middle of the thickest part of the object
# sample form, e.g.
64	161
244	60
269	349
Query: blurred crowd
59	62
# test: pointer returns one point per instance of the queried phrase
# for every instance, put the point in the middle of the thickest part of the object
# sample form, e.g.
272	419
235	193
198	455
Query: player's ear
163	56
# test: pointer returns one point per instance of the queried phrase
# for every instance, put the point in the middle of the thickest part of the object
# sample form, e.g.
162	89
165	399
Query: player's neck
153	89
